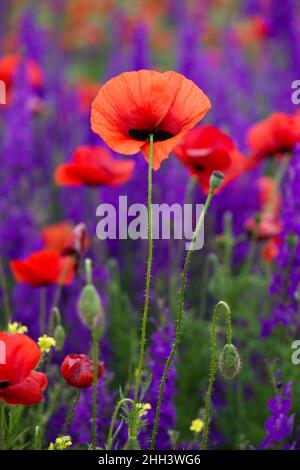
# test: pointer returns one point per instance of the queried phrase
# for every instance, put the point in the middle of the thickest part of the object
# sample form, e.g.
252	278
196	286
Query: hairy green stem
95	385
113	420
179	316
2	427
71	412
5	294
213	363
148	277
43	308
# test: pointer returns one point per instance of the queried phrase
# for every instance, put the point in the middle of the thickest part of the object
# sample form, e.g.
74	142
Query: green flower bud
90	308
59	336
292	240
229	362
216	180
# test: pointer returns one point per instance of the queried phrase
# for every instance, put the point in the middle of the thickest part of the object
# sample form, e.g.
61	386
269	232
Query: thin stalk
4	287
213	363
113	420
179	316
2	427
70	416
148	276
43	307
95	385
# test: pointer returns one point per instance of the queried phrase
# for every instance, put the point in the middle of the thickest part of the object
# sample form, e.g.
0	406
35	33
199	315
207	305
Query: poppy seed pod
216	180
90	308
229	362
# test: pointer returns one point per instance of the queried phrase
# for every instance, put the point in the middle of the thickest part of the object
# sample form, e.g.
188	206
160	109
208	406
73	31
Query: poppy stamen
4	384
143	134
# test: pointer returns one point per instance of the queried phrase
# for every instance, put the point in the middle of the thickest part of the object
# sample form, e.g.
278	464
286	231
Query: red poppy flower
66	239
206	149
266	227
270	198
86	92
9	65
133	105
78	370
270	250
20	384
43	268
93	166
276	135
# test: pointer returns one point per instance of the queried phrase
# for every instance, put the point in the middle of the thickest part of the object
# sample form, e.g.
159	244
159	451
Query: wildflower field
149	225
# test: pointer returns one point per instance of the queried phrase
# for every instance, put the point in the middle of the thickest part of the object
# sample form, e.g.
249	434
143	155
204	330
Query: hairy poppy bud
59	336
216	180
229	362
90	308
78	370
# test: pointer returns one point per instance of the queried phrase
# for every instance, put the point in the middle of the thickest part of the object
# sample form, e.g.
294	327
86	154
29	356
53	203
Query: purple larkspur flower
279	426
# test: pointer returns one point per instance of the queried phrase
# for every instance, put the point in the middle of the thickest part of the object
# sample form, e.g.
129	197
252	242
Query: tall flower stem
213	363
179	315
2	427
95	336
113	420
148	277
70	415
43	307
6	302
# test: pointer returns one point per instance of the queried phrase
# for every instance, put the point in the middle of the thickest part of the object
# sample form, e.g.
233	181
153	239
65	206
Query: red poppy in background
265	227
20	384
43	268
133	105
274	136
78	370
86	92
9	65
270	250
270	197
66	239
93	166
206	149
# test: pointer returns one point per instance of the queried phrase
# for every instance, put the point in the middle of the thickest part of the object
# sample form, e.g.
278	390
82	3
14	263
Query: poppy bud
229	362
59	336
78	370
216	180
90	308
292	240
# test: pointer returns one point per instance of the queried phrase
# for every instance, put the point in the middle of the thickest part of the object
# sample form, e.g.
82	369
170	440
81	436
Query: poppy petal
66	176
27	392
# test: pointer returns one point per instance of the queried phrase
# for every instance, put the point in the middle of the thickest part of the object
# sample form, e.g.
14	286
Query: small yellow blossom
46	343
143	408
197	425
16	327
61	443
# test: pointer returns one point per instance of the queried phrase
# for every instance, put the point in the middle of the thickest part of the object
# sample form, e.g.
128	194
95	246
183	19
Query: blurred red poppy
274	136
270	197
66	239
78	370
270	250
43	268
206	149
93	166
9	65
133	105
263	227
20	384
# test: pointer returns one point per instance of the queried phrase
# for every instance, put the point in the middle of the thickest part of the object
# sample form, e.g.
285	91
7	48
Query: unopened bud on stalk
59	336
90	305
216	180
292	240
229	362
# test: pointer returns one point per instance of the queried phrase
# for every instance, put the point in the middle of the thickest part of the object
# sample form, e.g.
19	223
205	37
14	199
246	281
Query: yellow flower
61	443
196	425
46	343
143	408
16	327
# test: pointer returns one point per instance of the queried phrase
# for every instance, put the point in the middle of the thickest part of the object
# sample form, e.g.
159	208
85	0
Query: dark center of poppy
198	167
4	384
143	134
